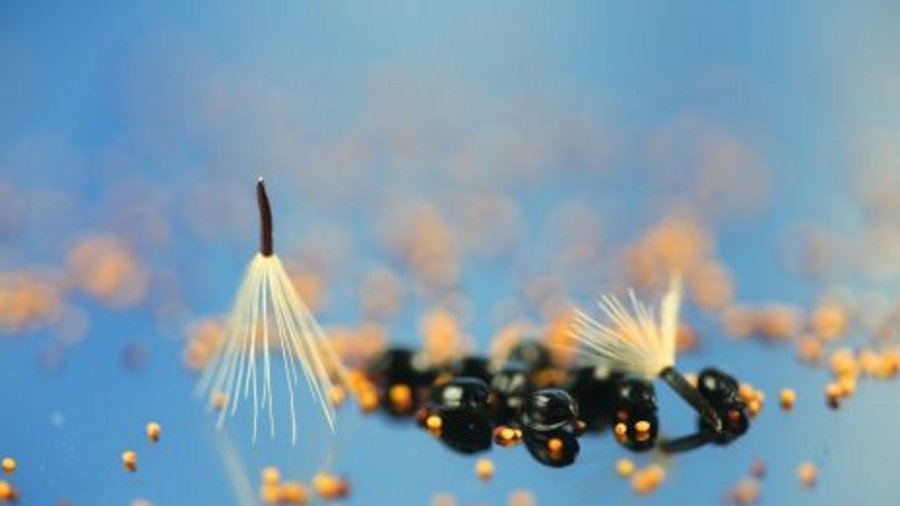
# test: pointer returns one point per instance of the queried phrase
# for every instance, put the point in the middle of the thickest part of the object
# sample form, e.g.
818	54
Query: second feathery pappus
634	343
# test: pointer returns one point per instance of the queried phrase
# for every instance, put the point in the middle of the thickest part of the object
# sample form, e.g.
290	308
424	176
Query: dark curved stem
266	244
690	394
685	443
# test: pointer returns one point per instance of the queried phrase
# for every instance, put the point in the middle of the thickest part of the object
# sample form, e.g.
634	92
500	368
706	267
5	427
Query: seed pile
472	403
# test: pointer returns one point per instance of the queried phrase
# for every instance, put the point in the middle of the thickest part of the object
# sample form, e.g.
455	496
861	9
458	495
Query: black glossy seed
532	353
722	391
633	394
509	388
464	431
593	388
538	444
635	401
460	394
472	366
718	387
735	422
402	366
549	409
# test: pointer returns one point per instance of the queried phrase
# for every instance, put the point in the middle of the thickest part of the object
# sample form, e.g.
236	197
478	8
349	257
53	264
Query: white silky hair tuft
267	297
632	342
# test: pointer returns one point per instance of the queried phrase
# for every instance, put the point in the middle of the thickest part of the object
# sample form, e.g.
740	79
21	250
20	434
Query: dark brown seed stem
266	244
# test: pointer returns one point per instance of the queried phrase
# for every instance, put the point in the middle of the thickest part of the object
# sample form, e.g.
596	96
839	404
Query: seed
337	395
847	385
9	465
506	436
368	399
434	423
758	468
807	473
829	321
329	486
809	349
843	363
520	498
625	467
555	445
484	468
129	460
8	493
642	426
271	475
443	499
401	397
219	401
746	492
648	480
833	393
293	492
153	431
620	429
788	398
754	407
738	321
270	493
549	409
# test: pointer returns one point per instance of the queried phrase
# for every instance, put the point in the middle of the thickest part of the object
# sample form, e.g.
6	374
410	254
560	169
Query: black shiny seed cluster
473	402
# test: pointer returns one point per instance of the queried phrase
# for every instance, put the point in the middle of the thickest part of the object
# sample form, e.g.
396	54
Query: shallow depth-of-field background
467	169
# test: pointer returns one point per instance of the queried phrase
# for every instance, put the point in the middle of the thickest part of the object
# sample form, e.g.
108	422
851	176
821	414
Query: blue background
348	109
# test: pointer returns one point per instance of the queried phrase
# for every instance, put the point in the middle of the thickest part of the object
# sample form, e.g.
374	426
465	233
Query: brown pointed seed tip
129	460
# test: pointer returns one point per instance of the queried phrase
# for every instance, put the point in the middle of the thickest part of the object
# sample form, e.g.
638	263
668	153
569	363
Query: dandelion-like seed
269	317
634	343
